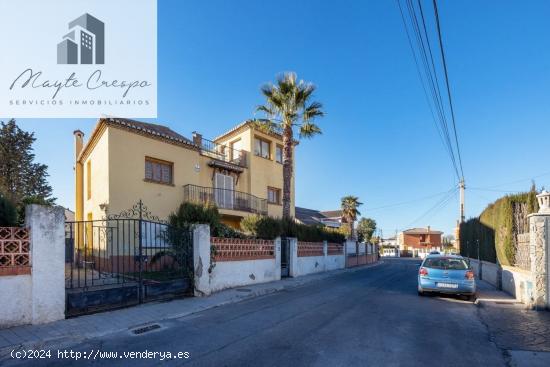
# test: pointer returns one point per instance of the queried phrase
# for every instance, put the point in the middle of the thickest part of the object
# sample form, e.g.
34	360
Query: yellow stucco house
125	161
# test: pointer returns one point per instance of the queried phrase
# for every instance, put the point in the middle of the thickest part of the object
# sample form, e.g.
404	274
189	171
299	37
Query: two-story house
419	241
125	161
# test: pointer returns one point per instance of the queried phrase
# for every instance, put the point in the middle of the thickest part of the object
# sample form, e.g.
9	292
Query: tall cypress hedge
495	230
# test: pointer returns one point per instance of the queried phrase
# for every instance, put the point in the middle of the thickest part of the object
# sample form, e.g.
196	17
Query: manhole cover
145	329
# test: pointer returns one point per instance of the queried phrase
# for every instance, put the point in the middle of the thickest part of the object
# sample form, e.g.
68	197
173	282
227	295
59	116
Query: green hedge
496	228
270	228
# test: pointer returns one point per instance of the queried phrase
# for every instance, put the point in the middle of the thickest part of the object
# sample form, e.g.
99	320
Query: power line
447	84
430	80
440	204
408	201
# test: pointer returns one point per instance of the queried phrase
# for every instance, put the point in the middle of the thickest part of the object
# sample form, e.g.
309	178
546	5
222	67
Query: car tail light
423	272
469	275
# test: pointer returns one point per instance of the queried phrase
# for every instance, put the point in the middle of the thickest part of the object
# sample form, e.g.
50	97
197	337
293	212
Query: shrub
8	213
496	229
191	213
270	228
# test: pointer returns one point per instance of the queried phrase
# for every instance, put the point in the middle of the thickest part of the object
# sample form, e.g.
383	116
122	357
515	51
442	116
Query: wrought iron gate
124	260
285	257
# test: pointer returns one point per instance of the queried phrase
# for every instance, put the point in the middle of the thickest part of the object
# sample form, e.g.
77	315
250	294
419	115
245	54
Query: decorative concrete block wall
32	288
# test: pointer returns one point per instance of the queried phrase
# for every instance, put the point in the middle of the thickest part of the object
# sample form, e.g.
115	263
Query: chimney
78	143
197	139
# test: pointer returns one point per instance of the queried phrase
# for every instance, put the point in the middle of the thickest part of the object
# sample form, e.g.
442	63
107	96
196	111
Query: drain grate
244	290
145	329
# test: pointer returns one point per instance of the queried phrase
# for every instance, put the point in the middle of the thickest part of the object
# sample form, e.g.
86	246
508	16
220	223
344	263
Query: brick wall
310	249
237	249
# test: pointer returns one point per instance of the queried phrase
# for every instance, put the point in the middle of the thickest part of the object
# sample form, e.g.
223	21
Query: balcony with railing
225	199
220	152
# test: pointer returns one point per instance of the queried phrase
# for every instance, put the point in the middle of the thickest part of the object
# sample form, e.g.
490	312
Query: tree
365	229
8	213
288	106
20	177
350	211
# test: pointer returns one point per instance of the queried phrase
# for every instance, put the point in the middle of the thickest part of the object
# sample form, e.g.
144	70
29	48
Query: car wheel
420	293
472	298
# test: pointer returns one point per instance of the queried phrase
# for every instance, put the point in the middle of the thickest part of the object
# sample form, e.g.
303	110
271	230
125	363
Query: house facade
125	161
418	242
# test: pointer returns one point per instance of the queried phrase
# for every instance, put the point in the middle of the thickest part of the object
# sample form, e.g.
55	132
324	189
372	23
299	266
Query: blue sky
379	141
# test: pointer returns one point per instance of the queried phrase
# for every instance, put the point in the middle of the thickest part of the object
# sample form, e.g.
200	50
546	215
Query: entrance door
224	191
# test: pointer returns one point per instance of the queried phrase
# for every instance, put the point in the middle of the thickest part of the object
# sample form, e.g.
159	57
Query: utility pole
462	187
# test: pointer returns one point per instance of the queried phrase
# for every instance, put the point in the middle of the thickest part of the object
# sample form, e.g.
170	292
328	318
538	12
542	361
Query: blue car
449	274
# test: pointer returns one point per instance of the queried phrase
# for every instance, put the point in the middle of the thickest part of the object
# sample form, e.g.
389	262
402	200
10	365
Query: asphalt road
371	317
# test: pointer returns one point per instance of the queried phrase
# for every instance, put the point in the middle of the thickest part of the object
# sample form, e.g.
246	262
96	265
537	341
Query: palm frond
309	130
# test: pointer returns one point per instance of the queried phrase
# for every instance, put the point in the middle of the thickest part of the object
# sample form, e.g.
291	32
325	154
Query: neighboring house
389	246
331	218
419	241
125	161
69	215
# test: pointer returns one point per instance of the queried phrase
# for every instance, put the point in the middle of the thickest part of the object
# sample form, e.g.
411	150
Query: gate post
201	259
277	249
293	257
539	248
47	234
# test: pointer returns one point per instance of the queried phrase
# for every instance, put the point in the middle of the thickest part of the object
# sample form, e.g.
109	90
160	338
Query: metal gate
122	261
285	257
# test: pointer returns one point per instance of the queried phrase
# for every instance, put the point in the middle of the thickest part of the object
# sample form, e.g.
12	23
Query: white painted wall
309	264
316	264
231	274
39	297
515	281
333	262
350	247
15	300
518	283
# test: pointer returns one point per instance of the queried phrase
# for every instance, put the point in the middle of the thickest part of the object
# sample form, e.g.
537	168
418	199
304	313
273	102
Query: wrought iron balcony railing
225	199
222	152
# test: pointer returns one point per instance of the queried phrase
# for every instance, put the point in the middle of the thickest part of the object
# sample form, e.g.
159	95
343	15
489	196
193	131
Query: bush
191	213
496	229
270	228
8	213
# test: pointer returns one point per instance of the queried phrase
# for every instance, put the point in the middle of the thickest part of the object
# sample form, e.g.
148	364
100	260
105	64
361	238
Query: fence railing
310	249
14	251
335	248
223	152
236	249
225	199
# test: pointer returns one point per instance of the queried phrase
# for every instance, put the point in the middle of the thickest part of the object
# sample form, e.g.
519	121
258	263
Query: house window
279	153
158	171
273	195
262	148
89	180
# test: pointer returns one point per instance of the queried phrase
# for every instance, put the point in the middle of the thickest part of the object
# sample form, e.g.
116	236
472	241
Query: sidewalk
96	325
521	333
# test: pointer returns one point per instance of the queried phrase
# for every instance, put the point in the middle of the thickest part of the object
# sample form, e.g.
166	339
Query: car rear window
445	263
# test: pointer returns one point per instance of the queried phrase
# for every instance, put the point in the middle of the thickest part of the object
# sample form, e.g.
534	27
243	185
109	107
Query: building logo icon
84	44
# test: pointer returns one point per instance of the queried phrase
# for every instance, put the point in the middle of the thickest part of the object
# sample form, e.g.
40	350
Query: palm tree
288	106
350	211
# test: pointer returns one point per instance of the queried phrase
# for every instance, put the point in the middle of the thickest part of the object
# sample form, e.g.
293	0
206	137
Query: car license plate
447	285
